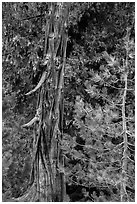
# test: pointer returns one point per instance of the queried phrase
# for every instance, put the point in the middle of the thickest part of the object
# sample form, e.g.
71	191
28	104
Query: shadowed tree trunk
47	182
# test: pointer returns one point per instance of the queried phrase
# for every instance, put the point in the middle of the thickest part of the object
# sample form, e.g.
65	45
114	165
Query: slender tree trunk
47	182
123	193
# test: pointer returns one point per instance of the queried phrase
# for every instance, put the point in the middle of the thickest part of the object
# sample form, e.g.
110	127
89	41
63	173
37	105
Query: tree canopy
98	141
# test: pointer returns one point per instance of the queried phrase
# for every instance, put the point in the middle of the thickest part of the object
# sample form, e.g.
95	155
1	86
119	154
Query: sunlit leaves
94	81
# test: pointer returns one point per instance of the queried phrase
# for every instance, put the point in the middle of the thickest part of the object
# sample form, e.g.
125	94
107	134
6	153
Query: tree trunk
47	182
124	179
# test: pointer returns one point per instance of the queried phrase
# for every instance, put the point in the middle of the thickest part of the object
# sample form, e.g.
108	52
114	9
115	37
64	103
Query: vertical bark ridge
47	182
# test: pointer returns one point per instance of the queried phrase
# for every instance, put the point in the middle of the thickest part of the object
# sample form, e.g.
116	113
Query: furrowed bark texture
47	181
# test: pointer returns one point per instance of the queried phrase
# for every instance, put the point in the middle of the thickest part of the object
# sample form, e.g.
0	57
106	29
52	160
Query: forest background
99	98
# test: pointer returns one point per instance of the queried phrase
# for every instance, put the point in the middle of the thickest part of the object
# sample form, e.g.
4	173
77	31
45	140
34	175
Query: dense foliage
99	109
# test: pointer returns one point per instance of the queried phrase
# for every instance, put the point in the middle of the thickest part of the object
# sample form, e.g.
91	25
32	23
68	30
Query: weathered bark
47	182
